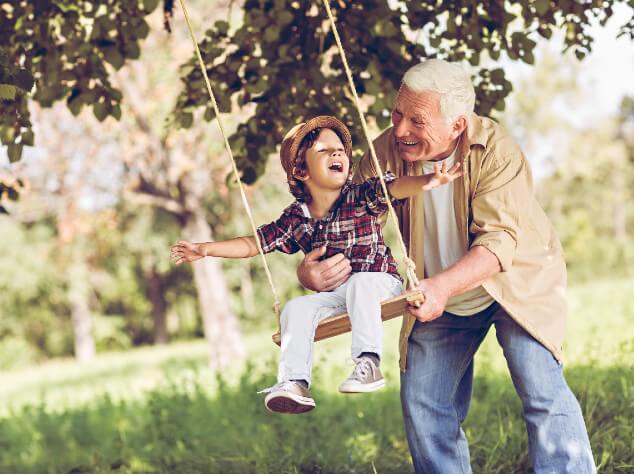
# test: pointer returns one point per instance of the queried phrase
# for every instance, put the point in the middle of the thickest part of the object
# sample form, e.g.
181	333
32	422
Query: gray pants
360	296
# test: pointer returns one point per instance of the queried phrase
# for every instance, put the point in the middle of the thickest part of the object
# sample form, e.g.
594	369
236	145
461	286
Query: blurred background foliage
84	250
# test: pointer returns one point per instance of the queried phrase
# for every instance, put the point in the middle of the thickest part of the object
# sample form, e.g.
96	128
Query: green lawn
160	409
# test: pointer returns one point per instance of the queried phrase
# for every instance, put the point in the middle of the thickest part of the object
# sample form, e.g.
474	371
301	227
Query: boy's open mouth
336	166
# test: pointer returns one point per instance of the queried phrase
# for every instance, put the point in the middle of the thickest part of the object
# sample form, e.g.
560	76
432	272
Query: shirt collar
300	208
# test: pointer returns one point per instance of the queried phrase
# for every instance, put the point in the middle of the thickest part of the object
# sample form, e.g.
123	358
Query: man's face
422	133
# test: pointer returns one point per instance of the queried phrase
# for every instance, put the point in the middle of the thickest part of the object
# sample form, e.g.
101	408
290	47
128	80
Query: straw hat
292	140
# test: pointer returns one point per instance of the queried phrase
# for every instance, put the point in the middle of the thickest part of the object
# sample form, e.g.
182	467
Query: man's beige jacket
495	207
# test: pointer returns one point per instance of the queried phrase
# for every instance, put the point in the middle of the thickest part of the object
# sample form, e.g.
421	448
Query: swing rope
276	304
411	266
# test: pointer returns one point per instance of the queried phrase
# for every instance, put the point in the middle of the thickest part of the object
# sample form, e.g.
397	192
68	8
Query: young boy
329	210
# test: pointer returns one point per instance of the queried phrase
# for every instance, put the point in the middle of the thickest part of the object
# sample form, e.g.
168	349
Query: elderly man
486	255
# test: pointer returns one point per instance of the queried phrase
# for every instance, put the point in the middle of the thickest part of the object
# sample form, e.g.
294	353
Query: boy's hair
298	140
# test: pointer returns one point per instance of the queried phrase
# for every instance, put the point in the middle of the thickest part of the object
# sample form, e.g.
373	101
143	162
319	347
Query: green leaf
271	34
24	80
209	114
14	150
186	120
500	105
113	56
100	110
222	27
542	6
7	92
142	29
150	5
116	112
529	58
285	18
27	138
132	50
75	107
7	134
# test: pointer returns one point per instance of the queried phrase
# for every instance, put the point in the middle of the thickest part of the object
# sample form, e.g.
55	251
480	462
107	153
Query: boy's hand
185	251
442	175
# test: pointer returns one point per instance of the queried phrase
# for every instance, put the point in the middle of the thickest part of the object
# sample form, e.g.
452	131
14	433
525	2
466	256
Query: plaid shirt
351	227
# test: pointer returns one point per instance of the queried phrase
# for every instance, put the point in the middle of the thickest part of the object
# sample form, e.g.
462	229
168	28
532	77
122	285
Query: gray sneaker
289	397
366	377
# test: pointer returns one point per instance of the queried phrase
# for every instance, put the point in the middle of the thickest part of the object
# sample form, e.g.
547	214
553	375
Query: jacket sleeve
278	235
504	183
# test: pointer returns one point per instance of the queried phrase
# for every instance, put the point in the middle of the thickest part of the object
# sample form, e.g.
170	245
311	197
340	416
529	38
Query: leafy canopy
279	63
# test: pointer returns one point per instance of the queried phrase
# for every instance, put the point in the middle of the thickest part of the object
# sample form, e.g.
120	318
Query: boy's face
327	165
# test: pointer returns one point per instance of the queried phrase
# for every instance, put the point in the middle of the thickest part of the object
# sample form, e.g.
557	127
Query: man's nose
400	129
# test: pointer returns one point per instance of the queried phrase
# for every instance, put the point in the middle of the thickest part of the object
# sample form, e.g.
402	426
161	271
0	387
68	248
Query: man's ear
459	126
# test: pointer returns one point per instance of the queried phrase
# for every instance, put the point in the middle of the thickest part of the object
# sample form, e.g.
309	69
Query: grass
160	410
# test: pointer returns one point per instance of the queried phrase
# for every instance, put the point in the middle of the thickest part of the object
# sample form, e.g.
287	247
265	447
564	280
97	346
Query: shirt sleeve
370	193
279	235
496	205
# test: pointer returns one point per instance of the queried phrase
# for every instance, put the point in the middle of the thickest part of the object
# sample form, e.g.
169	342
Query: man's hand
435	301
325	275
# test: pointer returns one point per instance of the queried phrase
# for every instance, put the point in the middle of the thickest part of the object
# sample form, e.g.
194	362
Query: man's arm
468	273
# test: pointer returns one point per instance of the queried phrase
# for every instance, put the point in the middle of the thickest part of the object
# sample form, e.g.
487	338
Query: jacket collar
476	133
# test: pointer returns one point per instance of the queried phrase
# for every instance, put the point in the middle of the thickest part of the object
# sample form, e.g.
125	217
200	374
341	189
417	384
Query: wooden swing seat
340	323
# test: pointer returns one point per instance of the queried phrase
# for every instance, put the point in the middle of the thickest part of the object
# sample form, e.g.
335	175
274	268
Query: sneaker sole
283	402
362	388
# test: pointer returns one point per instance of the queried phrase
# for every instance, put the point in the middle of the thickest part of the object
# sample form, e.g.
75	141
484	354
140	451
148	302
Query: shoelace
277	386
364	366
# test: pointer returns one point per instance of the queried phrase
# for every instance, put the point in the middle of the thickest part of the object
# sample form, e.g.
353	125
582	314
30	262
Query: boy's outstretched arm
240	247
407	186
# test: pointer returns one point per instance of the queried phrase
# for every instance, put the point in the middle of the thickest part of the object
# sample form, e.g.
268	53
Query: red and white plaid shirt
351	227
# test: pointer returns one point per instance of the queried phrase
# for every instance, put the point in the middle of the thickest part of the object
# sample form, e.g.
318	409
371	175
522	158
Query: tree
280	60
172	173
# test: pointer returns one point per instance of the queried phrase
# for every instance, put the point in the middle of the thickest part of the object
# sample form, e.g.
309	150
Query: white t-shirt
443	245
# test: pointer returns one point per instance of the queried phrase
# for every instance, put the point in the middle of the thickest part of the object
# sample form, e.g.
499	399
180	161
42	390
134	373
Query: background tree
281	63
280	58
172	172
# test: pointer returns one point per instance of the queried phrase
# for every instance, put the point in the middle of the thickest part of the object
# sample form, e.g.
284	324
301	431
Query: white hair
449	80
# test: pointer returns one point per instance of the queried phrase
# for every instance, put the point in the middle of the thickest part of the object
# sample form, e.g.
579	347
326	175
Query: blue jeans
436	391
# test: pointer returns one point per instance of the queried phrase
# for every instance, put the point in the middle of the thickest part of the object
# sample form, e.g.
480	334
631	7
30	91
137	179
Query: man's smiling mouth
408	143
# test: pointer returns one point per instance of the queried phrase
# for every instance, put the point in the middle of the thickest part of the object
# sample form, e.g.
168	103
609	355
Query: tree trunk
156	295
78	292
220	325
